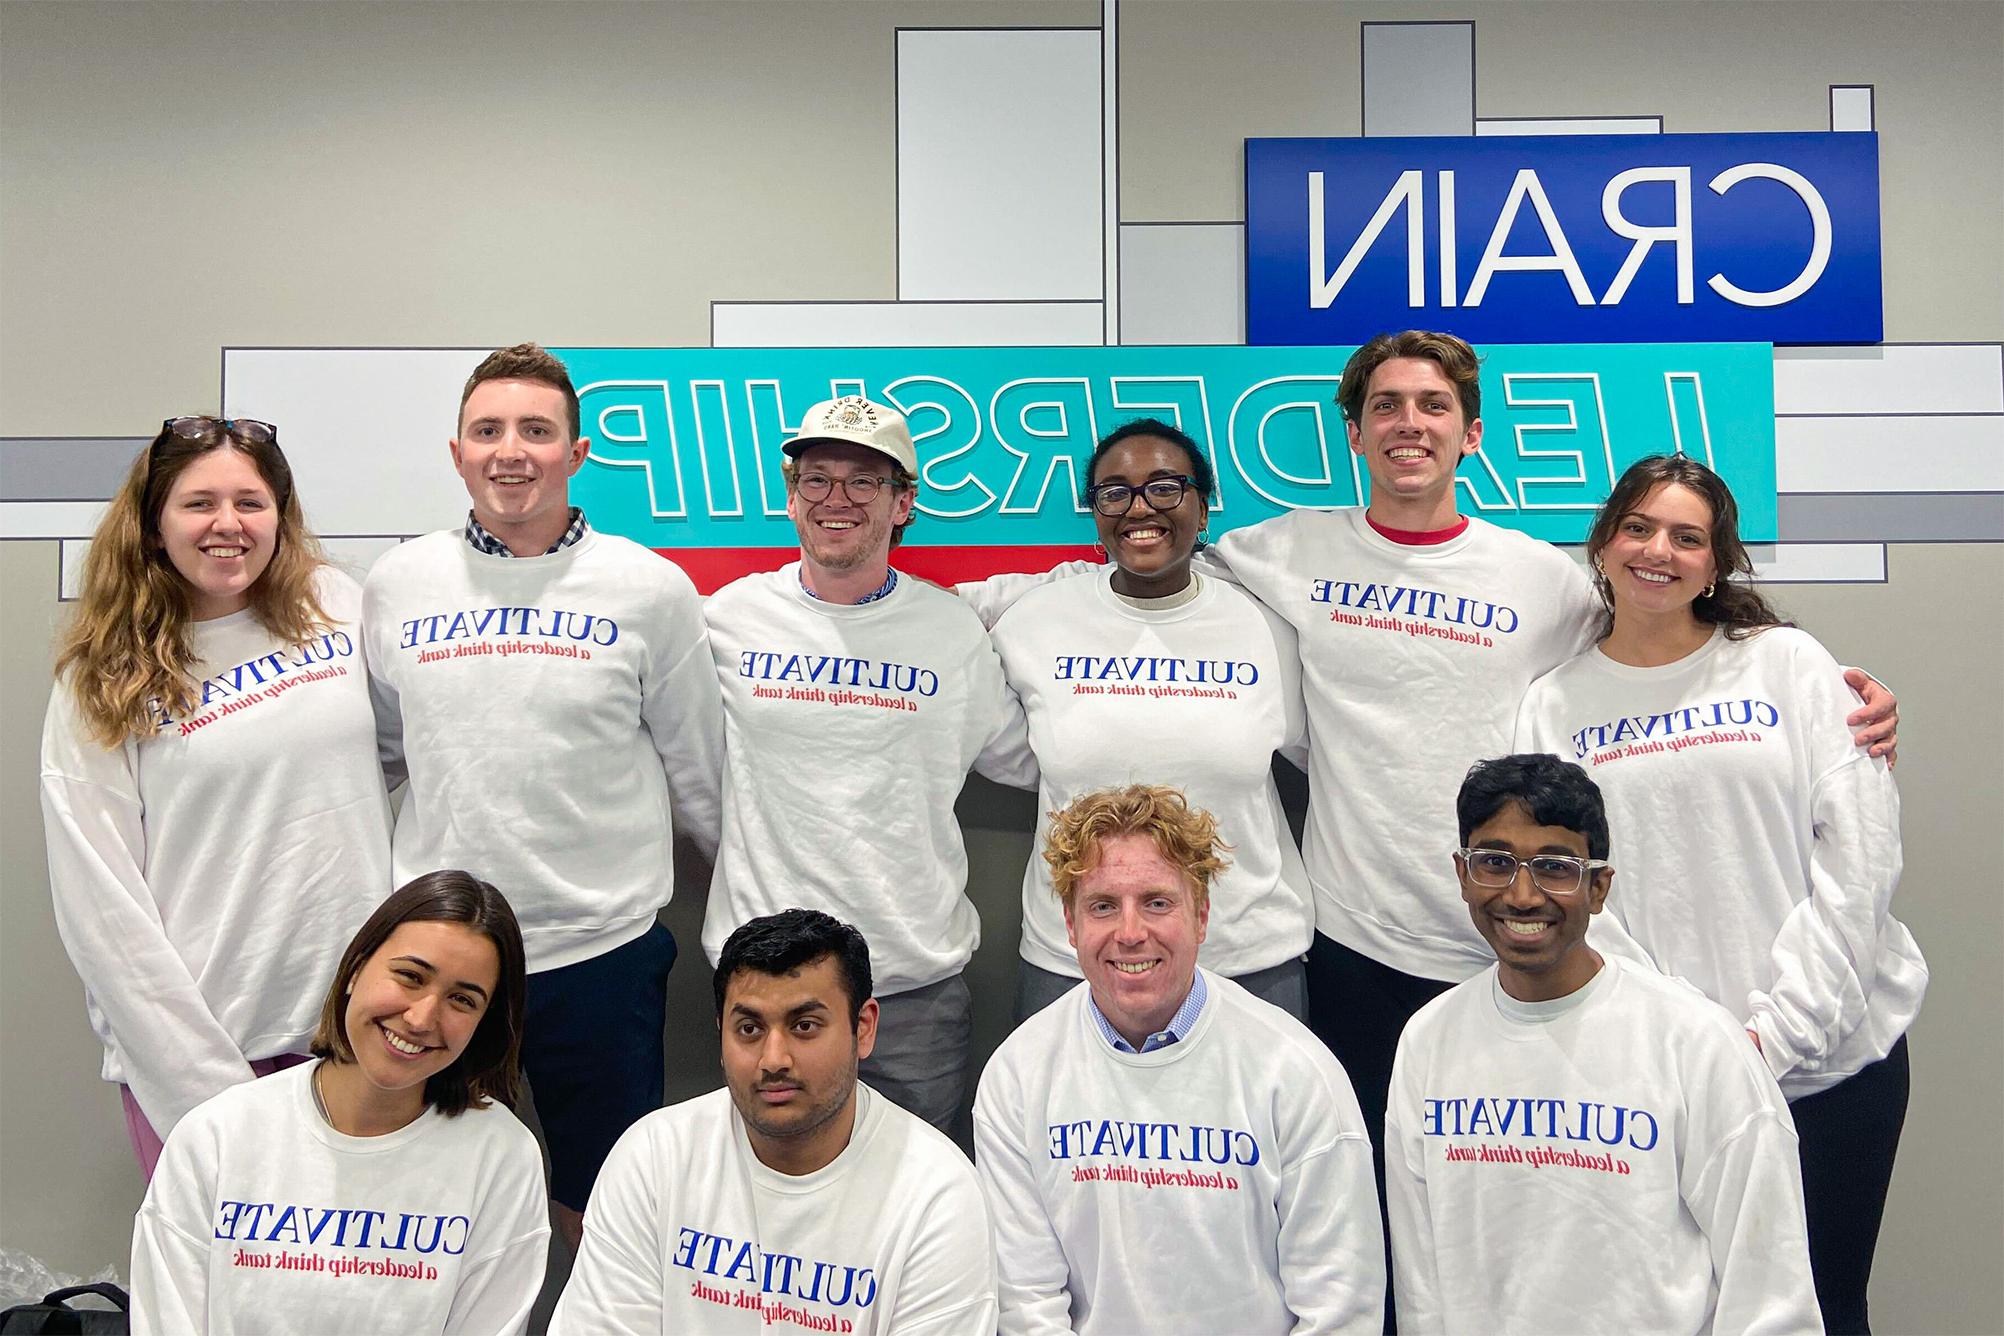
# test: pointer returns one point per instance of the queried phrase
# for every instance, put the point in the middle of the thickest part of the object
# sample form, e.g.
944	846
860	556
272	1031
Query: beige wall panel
180	177
1935	630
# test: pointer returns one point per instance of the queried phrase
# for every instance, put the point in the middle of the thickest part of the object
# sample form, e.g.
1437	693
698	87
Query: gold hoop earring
1707	591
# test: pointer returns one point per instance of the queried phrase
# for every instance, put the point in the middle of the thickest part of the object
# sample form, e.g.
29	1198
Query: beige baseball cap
856	420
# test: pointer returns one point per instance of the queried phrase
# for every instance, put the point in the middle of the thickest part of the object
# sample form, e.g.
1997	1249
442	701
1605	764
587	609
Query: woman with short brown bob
386	1187
216	818
1755	849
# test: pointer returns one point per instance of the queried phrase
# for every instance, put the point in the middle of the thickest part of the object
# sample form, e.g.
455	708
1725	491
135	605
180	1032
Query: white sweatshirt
263	1219
1755	848
557	716
1413	662
850	731
207	877
1218	1184
1614	1162
688	1232
1198	697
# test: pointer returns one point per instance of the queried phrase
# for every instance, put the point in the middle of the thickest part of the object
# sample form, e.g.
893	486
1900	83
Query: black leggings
1848	1135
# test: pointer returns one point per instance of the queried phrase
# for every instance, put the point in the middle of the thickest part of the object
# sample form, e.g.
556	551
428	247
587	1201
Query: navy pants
592	1050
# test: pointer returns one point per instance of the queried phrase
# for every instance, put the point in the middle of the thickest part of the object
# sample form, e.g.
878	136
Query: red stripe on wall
711	568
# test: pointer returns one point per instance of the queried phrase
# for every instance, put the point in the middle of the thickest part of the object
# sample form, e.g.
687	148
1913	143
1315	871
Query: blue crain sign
1565	239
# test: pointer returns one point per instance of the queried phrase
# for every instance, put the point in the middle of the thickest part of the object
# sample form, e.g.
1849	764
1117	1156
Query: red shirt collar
1415	538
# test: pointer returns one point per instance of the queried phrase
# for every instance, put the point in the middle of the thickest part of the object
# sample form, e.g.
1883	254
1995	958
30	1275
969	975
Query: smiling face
1136	923
219	528
1659	558
414	1005
1539	938
1152	548
837	534
515	454
1412	434
790	1056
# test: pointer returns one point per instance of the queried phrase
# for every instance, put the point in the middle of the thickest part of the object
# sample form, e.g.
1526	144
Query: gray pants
920	1061
1285	985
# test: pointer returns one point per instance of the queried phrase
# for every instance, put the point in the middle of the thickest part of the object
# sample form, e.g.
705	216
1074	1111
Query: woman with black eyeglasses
1143	671
1758	849
216	819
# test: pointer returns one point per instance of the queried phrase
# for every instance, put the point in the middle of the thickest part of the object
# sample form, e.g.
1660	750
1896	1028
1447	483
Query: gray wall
175	178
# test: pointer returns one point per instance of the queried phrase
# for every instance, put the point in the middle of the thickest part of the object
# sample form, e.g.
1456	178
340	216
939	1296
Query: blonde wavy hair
126	653
1186	836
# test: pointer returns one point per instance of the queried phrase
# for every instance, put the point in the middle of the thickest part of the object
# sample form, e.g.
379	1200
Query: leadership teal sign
685	441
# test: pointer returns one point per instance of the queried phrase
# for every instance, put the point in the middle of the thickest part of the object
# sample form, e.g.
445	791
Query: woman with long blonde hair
217	822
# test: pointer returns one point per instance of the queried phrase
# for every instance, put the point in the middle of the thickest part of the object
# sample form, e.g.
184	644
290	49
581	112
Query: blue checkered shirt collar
1178	1029
882	591
480	540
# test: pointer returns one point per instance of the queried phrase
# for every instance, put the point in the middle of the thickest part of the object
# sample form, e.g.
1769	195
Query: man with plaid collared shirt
548	691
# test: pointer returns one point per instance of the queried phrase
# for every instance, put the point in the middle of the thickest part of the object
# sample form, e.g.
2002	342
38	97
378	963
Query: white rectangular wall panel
1570	125
1183	283
1850	106
905	324
1819	563
1889	454
366	430
1906	378
49	519
1000	192
1419	78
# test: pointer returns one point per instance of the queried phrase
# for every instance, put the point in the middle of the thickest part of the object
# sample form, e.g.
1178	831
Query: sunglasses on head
209	430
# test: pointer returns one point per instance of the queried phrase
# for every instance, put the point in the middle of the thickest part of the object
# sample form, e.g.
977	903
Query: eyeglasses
212	429
1113	498
860	488
1554	874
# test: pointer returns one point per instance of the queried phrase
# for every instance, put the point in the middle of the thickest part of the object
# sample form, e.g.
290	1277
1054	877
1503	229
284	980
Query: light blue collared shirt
1175	1032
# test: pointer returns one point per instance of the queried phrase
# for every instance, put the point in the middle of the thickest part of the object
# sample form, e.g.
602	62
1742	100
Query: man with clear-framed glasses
855	702
1575	1142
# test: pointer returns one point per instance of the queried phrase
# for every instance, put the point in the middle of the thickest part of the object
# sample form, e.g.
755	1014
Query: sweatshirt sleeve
174	1051
994	596
947	1283
382	692
683	710
497	1289
1827	953
1747	1198
1032	1275
615	1285
1415	1267
1294	705
1331	1245
170	1255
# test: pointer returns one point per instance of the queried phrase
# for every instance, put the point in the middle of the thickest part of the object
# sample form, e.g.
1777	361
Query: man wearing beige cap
855	702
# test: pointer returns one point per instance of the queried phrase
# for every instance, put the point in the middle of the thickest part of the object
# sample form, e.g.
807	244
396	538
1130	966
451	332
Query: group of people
1175	1146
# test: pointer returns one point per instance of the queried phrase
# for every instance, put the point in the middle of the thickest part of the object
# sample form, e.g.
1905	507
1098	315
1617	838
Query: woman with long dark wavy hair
386	1187
216	818
1756	849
